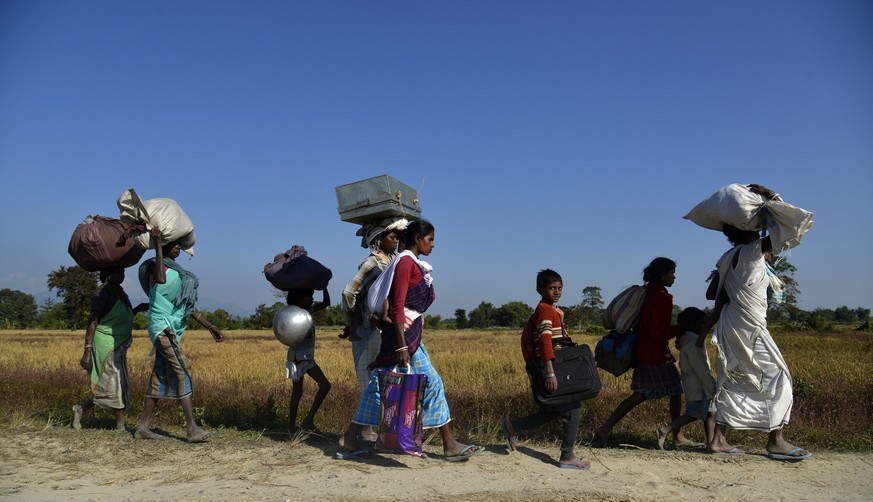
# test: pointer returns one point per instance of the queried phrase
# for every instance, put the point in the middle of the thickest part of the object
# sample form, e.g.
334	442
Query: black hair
418	228
735	235
547	276
106	272
293	295
689	316
657	268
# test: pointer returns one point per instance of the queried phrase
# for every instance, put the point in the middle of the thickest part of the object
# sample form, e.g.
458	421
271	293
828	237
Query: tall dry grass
241	384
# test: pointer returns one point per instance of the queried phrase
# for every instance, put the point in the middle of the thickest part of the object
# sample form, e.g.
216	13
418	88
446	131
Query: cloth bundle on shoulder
100	242
576	374
623	312
293	269
737	205
163	213
401	397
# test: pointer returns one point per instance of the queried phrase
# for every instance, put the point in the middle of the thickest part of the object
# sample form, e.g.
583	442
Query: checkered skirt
656	380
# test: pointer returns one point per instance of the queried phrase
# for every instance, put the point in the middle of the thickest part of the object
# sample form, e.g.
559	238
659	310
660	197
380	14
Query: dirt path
50	464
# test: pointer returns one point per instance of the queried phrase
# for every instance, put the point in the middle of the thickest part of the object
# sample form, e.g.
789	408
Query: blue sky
569	135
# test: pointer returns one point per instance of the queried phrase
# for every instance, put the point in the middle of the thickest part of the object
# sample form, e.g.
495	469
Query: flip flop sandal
790	456
511	442
351	455
580	465
465	454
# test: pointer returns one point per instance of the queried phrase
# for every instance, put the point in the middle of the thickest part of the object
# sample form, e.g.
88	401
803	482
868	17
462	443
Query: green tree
141	321
788	309
460	318
844	314
512	314
481	316
824	313
591	297
224	319
263	316
17	309
76	286
578	316
331	316
432	321
52	315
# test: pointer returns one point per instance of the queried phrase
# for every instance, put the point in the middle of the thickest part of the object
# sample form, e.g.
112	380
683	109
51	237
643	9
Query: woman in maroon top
655	374
410	295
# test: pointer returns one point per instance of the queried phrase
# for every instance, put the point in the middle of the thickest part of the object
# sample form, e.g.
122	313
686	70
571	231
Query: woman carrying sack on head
172	294
109	335
754	384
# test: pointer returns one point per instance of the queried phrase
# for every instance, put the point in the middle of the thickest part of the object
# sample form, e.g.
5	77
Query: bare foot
686	443
143	433
662	433
120	428
198	436
721	447
77	417
784	447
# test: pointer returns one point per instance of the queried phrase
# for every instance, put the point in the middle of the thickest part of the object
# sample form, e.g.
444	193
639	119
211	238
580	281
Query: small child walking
542	335
301	362
696	372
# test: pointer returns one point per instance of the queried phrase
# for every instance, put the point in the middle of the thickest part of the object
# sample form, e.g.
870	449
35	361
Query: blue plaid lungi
435	410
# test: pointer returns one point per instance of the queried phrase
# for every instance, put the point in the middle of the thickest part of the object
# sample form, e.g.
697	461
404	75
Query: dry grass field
241	392
240	385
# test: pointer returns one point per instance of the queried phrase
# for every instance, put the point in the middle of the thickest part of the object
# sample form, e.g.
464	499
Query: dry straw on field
240	384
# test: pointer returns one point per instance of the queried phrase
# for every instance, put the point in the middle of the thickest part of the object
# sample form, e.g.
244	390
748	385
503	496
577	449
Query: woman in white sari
754	384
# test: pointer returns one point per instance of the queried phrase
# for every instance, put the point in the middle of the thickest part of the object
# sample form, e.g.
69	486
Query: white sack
736	205
786	225
163	213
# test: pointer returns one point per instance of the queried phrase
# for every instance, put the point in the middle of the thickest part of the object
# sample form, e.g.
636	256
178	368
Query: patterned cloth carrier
401	399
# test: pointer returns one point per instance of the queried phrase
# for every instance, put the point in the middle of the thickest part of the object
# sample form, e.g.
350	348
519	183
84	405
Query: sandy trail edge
58	463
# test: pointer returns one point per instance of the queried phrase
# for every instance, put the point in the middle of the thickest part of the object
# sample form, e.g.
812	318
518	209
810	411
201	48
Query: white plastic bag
163	213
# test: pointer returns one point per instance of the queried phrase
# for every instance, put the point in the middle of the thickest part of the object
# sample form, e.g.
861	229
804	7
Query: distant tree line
75	287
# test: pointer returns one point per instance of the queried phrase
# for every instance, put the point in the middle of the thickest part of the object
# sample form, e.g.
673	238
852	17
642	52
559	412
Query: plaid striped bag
623	312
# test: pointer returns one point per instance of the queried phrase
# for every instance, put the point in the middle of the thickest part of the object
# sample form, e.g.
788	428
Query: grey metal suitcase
375	198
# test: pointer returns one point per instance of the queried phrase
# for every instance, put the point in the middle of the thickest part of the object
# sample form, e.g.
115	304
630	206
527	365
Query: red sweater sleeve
543	325
406	274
